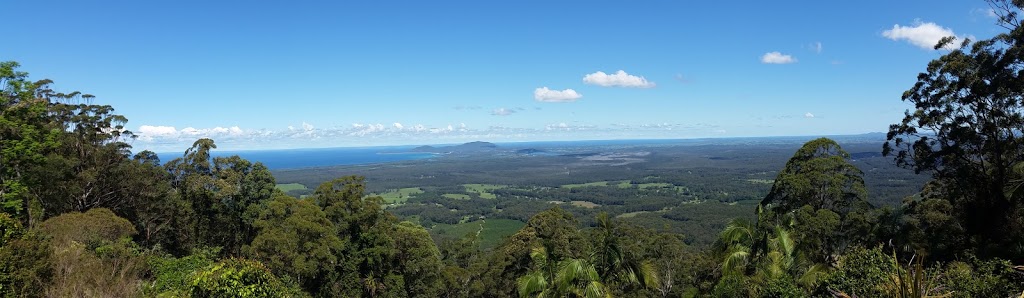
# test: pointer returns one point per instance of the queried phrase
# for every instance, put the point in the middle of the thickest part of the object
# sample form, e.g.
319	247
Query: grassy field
400	195
290	186
585	204
483	189
456	196
493	230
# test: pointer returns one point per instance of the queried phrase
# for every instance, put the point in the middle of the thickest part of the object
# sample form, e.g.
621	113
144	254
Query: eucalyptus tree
216	193
820	176
825	194
966	129
294	239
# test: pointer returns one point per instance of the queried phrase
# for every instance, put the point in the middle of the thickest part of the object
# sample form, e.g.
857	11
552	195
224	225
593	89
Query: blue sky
261	75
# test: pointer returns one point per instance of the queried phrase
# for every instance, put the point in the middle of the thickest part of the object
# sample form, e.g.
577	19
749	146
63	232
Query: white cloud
397	125
502	112
307	126
150	133
777	58
808	115
986	12
547	95
923	35
816	47
618	79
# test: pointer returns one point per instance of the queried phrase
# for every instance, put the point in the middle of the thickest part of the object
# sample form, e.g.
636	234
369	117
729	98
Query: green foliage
215	195
619	265
981	278
363	266
931	228
10	229
295	239
25	138
859	272
815	231
25	264
113	269
555	230
818	175
418	261
93	255
92	228
979	83
732	285
566	278
171	275
236	278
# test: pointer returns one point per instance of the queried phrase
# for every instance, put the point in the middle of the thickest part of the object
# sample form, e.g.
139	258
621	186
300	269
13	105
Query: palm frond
736	258
530	283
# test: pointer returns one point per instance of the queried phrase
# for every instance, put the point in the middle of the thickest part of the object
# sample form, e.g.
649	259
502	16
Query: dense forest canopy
81	215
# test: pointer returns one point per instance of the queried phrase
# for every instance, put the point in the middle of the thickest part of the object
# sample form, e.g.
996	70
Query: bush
93	255
236	278
25	268
171	275
982	278
859	273
92	228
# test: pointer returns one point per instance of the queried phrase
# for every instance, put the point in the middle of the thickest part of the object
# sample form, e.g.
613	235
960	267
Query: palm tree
615	265
569	278
769	253
740	240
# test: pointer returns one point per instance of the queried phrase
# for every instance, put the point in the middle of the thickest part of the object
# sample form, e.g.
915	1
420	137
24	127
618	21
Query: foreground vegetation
83	216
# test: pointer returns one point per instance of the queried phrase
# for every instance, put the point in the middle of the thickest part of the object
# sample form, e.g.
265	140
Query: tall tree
965	128
216	193
818	175
295	239
365	265
554	229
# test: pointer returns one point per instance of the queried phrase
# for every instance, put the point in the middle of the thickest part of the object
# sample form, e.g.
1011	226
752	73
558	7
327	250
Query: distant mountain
470	147
476	146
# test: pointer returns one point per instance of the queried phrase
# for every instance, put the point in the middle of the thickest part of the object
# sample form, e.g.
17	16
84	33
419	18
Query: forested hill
82	215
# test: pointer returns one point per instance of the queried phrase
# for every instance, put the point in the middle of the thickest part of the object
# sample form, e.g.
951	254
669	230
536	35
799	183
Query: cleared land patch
585	204
399	195
493	230
483	189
